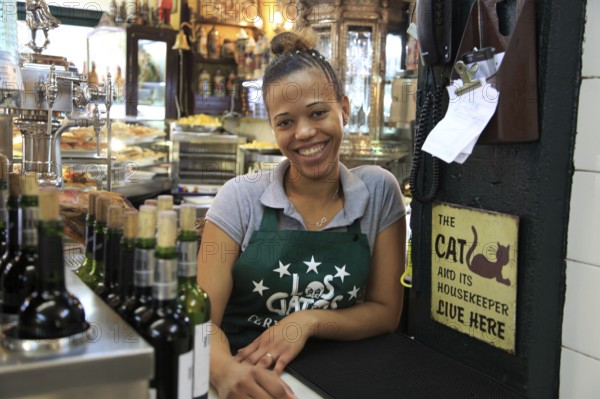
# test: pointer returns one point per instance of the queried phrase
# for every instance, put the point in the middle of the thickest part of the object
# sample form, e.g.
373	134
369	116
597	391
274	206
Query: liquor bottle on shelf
202	43
192	299
168	329
86	272
127	256
109	289
3	210
143	270
219	84
204	86
18	278
213	43
12	205
51	311
102	204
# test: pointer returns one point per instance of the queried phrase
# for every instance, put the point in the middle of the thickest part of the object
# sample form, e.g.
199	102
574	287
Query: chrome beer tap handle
97	125
108	103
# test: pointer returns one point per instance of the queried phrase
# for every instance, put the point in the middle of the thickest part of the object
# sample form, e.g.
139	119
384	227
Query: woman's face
307	121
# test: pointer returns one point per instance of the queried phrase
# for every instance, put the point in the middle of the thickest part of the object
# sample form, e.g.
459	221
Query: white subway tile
587	145
583	242
591	44
579	376
581	319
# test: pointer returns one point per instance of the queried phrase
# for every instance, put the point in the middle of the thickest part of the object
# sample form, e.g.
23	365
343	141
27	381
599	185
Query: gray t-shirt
371	193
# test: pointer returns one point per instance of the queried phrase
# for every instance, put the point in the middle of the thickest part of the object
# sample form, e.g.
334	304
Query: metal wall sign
474	273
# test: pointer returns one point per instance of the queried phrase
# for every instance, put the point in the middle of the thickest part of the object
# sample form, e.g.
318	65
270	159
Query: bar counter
110	361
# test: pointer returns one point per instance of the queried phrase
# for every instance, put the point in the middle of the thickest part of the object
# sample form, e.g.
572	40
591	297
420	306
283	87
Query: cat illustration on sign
483	267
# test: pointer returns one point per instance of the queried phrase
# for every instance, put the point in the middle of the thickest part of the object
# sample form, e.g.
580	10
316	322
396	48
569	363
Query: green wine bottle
109	290
168	329
12	205
18	278
50	311
143	278
164	202
127	256
3	209
192	299
86	271
102	205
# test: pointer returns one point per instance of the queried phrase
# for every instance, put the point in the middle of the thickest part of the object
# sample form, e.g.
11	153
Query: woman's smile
313	150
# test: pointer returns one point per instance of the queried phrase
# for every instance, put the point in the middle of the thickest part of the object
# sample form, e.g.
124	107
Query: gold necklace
324	218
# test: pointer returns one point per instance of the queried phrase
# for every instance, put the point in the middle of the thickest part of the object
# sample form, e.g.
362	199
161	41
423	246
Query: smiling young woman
311	249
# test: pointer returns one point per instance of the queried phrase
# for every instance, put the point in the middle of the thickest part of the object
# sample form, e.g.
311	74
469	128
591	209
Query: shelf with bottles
225	54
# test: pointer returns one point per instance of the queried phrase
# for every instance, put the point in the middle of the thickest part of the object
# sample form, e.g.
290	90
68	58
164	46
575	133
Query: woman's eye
319	113
284	123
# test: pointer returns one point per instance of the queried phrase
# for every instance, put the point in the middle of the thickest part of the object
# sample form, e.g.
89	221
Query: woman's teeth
307	152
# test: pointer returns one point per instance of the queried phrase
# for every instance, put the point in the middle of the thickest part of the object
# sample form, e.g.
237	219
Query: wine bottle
127	255
50	311
102	204
109	290
12	205
143	277
165	202
151	202
86	272
168	329
3	210
18	278
192	299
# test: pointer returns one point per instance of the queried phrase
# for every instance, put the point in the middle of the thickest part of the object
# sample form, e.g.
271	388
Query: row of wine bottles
34	301
143	265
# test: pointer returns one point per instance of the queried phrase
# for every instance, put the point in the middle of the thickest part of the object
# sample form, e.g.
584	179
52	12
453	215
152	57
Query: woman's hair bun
288	42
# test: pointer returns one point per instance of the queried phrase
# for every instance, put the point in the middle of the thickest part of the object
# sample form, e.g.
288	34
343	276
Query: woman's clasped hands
257	373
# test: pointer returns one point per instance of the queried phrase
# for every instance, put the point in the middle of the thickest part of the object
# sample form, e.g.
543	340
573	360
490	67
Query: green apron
282	272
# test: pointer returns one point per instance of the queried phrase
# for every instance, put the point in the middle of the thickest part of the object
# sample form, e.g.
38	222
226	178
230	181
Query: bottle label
3	201
29	226
187	256
99	247
51	260
165	279
202	334
144	267
184	383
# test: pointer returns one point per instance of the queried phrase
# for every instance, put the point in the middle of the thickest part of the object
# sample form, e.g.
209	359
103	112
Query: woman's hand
250	381
278	345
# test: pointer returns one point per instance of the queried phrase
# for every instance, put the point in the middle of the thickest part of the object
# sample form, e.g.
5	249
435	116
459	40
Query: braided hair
294	51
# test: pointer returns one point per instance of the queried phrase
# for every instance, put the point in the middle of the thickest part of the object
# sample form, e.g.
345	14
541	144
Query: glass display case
144	73
142	65
352	35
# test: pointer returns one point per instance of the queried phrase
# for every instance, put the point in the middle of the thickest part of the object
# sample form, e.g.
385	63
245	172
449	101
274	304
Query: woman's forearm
357	322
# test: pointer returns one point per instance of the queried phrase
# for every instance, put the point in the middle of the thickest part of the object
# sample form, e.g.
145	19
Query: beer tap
108	103
51	92
67	123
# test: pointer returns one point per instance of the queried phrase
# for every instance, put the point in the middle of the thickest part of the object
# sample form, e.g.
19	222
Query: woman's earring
345	120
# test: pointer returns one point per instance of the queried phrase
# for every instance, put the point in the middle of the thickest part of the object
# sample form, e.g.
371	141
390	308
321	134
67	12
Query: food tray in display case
206	129
80	154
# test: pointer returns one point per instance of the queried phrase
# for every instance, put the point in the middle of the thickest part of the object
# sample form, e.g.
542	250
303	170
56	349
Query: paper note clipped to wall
453	138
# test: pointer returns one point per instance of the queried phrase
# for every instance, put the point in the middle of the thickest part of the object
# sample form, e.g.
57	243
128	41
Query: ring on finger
269	355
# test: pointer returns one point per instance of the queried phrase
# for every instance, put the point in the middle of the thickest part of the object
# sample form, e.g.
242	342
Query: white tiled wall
580	361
